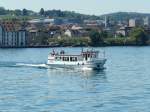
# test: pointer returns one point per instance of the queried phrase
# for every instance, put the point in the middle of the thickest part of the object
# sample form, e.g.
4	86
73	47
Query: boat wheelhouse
89	59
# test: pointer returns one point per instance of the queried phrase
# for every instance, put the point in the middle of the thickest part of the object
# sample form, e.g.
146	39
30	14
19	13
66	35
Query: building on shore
135	22
124	31
132	22
12	35
146	21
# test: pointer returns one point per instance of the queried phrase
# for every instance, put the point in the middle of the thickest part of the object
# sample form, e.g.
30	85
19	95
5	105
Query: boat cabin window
73	58
65	58
58	58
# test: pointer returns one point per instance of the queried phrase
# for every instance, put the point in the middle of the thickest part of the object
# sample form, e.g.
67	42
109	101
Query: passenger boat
89	59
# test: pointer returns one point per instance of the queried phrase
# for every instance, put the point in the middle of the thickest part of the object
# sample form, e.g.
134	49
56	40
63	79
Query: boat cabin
84	56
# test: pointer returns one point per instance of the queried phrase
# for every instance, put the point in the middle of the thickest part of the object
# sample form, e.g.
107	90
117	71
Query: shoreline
42	46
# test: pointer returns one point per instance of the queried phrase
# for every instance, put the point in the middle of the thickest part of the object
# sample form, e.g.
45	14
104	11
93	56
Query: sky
92	7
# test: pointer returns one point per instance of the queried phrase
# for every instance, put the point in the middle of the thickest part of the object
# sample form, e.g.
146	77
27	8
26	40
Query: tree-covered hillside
25	13
6	13
121	16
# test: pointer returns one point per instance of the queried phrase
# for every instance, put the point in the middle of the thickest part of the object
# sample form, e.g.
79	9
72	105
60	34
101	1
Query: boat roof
66	55
90	51
75	55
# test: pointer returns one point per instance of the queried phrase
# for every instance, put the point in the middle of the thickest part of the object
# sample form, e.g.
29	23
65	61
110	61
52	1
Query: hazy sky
96	7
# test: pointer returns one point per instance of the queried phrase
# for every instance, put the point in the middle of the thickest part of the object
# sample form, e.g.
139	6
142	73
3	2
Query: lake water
28	85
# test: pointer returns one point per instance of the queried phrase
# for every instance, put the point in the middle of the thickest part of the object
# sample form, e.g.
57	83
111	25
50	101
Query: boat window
65	58
57	58
73	58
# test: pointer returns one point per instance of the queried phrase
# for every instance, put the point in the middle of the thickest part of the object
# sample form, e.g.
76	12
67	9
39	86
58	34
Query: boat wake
40	66
18	64
31	65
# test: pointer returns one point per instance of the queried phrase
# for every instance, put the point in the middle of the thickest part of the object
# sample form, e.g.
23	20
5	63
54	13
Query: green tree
24	12
139	35
96	38
17	12
105	34
42	12
2	11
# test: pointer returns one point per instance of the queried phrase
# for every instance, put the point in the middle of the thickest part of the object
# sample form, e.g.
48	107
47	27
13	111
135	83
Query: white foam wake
31	65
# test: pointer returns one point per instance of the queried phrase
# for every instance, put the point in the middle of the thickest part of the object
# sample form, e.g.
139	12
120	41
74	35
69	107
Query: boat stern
96	64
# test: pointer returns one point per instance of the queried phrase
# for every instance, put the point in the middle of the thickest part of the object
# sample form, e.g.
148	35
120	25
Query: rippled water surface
28	85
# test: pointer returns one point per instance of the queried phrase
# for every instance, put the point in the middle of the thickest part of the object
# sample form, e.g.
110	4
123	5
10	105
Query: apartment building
12	34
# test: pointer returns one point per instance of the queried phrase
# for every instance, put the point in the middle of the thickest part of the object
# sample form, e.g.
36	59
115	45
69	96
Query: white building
68	33
132	22
135	22
42	21
12	35
146	21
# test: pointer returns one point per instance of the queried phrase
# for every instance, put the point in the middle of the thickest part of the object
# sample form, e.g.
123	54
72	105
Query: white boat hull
85	65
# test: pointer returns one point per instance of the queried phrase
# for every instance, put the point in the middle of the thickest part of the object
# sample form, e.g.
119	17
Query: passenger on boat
62	52
53	53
